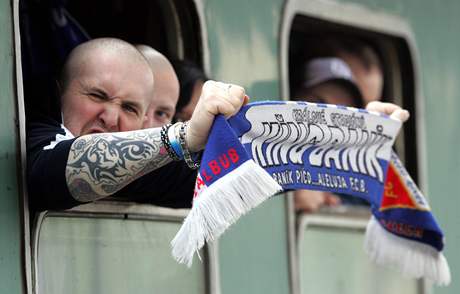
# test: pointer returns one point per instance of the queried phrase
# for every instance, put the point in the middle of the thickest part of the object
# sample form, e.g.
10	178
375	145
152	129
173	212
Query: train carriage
118	246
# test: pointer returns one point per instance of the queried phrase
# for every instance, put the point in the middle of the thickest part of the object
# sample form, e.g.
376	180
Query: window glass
327	265
103	255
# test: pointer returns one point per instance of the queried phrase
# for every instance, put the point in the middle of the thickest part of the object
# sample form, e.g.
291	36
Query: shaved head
91	51
159	63
166	89
106	86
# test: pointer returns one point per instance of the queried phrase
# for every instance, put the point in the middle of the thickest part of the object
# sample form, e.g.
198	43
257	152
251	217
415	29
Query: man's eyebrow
98	91
166	108
134	104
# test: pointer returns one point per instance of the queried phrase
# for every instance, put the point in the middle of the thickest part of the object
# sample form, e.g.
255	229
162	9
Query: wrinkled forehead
121	75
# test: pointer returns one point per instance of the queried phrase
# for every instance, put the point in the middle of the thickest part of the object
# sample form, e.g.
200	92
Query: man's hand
393	110
216	98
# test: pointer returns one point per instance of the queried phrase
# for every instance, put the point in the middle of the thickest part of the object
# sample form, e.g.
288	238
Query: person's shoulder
38	121
43	131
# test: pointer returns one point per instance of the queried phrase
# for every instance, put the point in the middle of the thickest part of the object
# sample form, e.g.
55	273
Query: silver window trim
204	36
178	40
26	253
359	16
174	32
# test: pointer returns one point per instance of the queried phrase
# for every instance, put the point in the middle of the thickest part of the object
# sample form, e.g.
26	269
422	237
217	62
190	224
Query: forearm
99	165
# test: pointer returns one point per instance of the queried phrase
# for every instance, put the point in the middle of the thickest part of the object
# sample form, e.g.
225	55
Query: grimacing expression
107	94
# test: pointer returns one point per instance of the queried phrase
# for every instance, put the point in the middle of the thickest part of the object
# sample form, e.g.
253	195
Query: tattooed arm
101	164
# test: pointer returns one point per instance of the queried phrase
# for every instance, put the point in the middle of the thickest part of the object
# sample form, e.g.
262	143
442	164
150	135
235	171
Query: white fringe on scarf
413	259
220	205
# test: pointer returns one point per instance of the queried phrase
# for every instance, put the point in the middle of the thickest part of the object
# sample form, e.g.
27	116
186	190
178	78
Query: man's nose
110	117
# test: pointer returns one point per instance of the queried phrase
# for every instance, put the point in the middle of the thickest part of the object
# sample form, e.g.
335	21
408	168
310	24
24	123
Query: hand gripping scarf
269	147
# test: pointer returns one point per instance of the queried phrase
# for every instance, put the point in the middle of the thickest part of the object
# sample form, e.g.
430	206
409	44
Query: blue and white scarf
269	147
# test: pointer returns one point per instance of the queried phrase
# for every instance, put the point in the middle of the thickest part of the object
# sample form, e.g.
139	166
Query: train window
320	253
122	247
81	253
320	30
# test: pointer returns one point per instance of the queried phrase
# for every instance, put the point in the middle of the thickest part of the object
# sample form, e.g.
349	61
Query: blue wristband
174	142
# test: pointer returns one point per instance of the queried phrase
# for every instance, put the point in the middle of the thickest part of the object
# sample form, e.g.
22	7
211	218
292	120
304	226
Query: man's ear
58	88
57	105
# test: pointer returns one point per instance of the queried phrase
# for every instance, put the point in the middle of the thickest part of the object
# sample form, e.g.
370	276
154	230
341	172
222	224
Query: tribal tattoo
101	164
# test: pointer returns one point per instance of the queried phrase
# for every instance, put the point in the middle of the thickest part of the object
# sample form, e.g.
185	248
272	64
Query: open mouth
96	131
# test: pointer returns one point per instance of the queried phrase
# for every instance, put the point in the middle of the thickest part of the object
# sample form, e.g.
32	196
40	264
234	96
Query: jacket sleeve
48	147
47	152
170	186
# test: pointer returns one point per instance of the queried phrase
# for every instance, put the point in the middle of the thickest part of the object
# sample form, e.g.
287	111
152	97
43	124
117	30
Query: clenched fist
216	98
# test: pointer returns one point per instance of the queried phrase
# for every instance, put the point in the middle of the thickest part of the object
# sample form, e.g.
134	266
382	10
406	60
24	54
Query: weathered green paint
243	41
10	225
244	45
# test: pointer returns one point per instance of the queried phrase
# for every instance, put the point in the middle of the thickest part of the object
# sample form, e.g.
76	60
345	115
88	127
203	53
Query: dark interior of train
307	38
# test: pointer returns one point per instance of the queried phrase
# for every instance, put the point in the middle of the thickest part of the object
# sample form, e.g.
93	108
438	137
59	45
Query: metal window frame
361	17
26	252
178	43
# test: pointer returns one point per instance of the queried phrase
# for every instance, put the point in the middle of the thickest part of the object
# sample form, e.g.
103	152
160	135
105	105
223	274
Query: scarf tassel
412	259
218	207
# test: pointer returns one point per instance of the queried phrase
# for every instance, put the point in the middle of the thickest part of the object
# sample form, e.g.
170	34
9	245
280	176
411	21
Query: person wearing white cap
325	80
329	80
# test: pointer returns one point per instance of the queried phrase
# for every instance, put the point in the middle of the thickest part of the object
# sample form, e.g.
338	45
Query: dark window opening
51	29
309	38
171	27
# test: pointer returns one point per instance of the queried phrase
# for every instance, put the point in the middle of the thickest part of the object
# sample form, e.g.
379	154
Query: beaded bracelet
173	141
187	156
166	143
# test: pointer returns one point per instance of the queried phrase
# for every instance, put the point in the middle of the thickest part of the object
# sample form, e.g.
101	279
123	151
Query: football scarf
270	147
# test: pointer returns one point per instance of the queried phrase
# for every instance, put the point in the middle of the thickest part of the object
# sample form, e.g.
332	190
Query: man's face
163	105
107	94
369	80
327	92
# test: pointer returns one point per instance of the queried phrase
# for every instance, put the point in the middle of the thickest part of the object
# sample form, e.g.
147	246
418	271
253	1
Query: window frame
127	210
31	231
363	18
22	163
357	221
